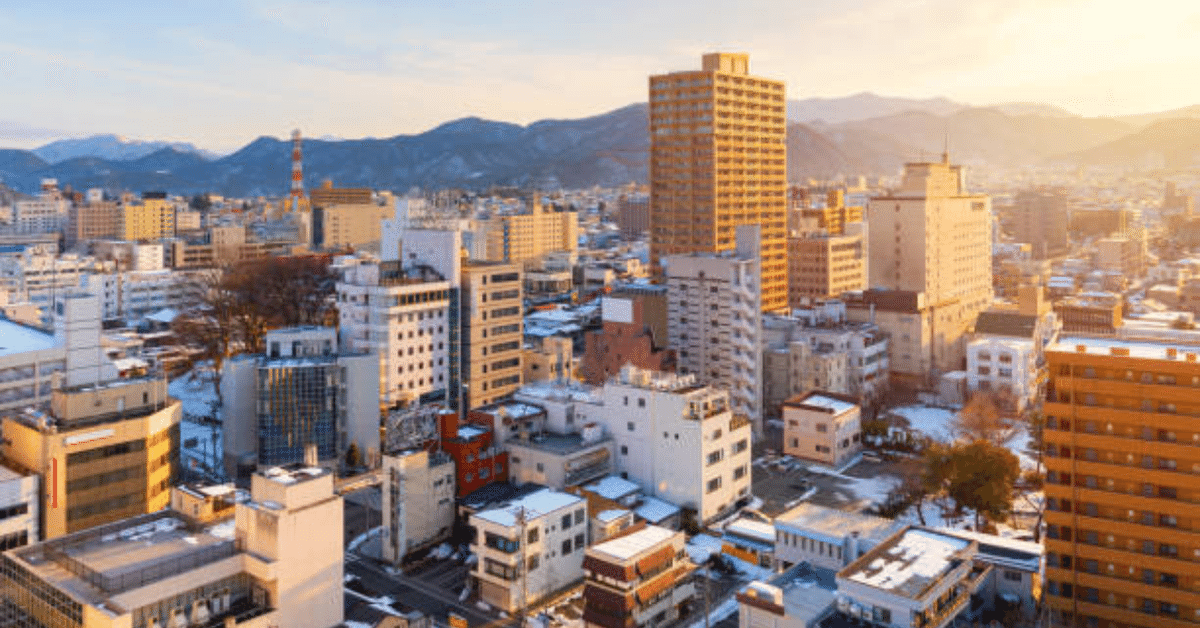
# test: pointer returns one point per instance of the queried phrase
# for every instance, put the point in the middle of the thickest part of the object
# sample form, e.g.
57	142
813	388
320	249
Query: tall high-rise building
718	160
932	238
1122	539
1040	217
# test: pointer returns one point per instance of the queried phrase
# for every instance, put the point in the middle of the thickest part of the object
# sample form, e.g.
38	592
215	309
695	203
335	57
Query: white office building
714	320
405	315
529	548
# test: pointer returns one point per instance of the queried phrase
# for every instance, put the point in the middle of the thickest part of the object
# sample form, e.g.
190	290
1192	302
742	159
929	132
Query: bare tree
982	419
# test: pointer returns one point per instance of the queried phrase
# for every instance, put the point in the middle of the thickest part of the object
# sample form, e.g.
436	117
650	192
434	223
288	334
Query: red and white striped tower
297	170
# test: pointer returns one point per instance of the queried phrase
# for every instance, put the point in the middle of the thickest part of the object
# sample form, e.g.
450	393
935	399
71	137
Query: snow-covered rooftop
1146	349
656	510
837	406
630	545
751	529
910	564
467	432
535	505
611	515
832	525
17	338
613	487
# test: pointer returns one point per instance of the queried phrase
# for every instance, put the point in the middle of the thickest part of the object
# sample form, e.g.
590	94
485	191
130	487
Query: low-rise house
827	538
749	540
822	427
640	578
528	548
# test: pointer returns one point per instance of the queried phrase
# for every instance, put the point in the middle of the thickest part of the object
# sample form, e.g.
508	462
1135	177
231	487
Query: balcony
949	611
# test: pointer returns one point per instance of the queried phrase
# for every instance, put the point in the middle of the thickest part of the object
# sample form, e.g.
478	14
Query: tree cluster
231	309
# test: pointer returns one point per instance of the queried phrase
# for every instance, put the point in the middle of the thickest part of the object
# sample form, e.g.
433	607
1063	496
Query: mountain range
860	134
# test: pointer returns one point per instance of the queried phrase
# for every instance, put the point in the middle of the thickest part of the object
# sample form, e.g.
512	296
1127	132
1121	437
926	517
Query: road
430	593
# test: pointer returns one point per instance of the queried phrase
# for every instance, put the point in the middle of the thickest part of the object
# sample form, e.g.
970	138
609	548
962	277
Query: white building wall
19	492
418	502
1003	364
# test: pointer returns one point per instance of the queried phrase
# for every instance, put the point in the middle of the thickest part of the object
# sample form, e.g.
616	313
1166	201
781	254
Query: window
822	428
532	536
641	402
715	456
532	563
566	547
629	426
579	516
714	484
579	541
566	521
624	450
1012	576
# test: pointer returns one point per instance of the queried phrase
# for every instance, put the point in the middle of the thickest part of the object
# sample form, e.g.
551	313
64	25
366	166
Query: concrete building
1040	217
20	504
326	195
406	317
234	562
822	427
640	578
45	213
714	319
348	225
932	238
549	358
475	449
301	393
529	548
1121	484
32	360
1007	367
492	333
101	220
633	331
560	460
152	218
418	501
827	538
523	236
833	217
916	578
105	451
818	348
701	464
1123	255
633	215
822	266
38	277
737	176
1090	313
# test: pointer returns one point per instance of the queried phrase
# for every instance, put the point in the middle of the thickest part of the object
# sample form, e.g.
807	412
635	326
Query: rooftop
836	405
1001	323
17	338
559	444
613	487
807	593
909	563
291	474
655	510
630	545
534	505
1145	349
752	529
97	564
836	524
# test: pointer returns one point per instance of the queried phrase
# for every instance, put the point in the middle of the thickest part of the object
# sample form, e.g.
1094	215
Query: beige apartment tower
492	332
105	451
717	161
931	237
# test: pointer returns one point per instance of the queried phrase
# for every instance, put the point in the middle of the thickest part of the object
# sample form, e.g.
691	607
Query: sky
219	74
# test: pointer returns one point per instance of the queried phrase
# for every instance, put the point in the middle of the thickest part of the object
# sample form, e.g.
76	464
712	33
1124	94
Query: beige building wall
493	331
822	427
553	360
418	502
825	266
350	225
523	237
149	219
718	160
111	453
931	236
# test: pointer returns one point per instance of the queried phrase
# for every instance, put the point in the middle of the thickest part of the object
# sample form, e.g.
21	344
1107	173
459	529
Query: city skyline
220	76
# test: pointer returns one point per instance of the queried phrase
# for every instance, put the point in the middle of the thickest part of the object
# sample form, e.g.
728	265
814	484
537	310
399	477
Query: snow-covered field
935	423
200	443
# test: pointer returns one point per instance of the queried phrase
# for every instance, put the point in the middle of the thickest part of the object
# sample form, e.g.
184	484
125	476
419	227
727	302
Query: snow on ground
727	608
874	490
701	546
362	538
195	391
935	423
928	420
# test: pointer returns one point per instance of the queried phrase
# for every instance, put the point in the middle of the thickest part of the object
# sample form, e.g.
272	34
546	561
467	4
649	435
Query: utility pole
522	572
707	580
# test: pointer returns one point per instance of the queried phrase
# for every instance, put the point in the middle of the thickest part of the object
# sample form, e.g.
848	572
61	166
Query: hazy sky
219	74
